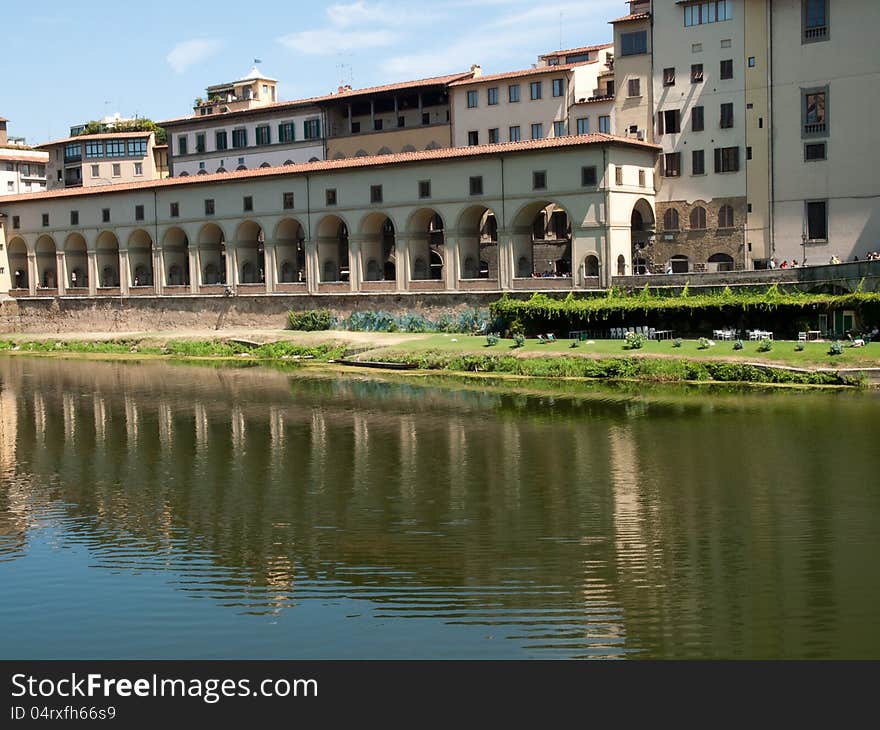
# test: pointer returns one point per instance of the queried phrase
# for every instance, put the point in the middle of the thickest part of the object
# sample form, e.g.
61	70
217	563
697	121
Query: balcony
815	128
819	33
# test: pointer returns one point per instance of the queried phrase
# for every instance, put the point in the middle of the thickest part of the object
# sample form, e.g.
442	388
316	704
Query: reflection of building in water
40	417
69	407
166	425
8	431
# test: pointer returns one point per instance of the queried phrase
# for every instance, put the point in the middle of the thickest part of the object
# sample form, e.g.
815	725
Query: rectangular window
698	122
559	129
494	136
698	162
200	142
492	96
671	164
815	151
96	149
513	93
634	44
748	153
583	125
727	69
605	124
174	210
287	201
263	135
221	141
539	180
117	169
286	132
105	215
138	169
312	129
696	73
330	196
45	220
375	193
247	203
618	175
634	87
817	220
473	138
558	87
535	90
72	152
669	77
424	188
537	131
514	134
115	148
476	185
181	145
751	62
16	222
815	20
239	138
472	99
138	147
641	178
138	212
670	121
713	11
815	112
209	206
726	159
726	116
96	170
74	217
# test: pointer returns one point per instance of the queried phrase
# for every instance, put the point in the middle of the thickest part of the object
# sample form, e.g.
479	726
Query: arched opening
408	148
427	243
288	162
384	151
478	243
698	218
641	227
183	174
140	258
240	168
265	165
591	265
679	264
108	260
18	263
47	263
250	252
670	220
725	216
175	251
333	249
212	254
221	169
290	252
721	261
621	265
546	250
77	259
378	248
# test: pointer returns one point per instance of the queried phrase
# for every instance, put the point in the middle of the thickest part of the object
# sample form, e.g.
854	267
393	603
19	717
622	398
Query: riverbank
663	361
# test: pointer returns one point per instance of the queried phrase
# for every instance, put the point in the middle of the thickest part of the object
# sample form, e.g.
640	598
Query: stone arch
378	233
591	265
140	258
408	148
107	246
175	251
542	236
183	174
426	232
723	261
383	150
477	227
76	257
265	165
361	153
17	255
212	254
680	264
333	248
250	253
290	253
47	262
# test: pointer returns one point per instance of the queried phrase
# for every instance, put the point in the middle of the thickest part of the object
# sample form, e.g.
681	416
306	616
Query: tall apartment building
22	169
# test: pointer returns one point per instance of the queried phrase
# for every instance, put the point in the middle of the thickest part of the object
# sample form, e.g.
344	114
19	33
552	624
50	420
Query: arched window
314	159
361	153
621	265
670	219
725	216
265	165
679	264
221	169
240	168
723	261
384	151
288	162
592	266
184	174
200	172
698	218
408	148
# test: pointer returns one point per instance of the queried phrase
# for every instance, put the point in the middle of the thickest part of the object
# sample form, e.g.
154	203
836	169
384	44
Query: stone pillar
451	259
231	265
93	272
313	265
402	270
269	266
61	272
158	270
124	272
505	259
354	263
195	270
33	273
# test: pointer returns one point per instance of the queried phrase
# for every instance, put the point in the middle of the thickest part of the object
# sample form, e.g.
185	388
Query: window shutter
717	159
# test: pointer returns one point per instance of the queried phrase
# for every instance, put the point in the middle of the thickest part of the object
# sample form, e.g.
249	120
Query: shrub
635	340
738	345
766	345
705	344
799	347
310	320
519	340
676	342
836	348
491	339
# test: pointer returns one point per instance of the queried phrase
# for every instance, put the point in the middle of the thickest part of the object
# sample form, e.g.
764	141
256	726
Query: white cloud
189	53
329	41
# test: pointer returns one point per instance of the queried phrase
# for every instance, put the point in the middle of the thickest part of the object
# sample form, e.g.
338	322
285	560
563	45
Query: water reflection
595	523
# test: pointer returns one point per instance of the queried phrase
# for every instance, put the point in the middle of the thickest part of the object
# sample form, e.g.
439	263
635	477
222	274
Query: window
535	90
312	129
727	69
138	169
726	159
668	122
174	211
96	149
96	170
221	141
634	87
514	134
605	124
559	129
670	219
815	112
16	221
669	77
726	43
239	138
202	166
476	185
105	215
634	44
537	131
751	61
513	93
73	152
209	206
426	118
74	217
247	203
558	87
286	132
377	125
671	164
263	135
618	175
138	212
287	201
494	137
696	48
641	178
200	142
375	193
696	73
817	220
815	20
117	170
726	116
539	180
138	147
588	176
401	122
115	148
815	151
698	162
725	217
45	220
698	123
583	125
748	153
424	188
492	96
472	99
714	11
473	138
181	146
698	218
330	196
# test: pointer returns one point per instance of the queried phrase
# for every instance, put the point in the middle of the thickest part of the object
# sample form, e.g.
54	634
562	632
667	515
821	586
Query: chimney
477	70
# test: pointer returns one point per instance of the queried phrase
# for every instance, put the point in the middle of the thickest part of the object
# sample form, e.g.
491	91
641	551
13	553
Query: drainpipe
605	264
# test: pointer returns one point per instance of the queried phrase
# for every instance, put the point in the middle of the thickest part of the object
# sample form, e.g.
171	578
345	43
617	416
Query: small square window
117	170
287	201
748	207
74	217
588	176
138	212
375	193
105	215
377	125
209	206
175	210
539	180
330	196
138	169
634	87
476	185
426	117
473	138
726	43
751	61
696	48
424	188
814	151
248	203
494	136
96	170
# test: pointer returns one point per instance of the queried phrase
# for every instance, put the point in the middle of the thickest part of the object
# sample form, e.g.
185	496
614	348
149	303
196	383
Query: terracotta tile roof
89	137
314	100
582	49
631	16
449	153
518	74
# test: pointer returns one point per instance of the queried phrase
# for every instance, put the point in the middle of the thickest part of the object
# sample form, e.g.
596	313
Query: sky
67	63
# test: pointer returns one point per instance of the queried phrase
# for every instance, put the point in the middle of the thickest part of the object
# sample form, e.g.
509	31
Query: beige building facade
22	168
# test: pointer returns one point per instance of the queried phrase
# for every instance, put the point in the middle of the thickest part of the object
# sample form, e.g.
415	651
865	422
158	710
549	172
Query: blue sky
86	60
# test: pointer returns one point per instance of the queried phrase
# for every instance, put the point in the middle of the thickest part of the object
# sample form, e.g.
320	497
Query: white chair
802	336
